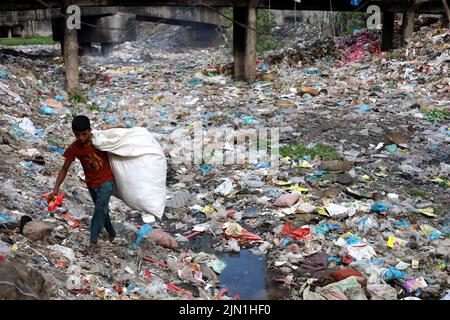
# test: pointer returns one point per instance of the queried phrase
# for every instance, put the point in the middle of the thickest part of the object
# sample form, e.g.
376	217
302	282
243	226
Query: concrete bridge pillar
244	42
70	45
388	31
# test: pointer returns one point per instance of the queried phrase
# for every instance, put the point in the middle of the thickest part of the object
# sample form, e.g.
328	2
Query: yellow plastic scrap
297	188
395	243
442	181
441	265
321	211
428	212
283	183
305	164
427	229
15	247
346	235
208	210
366	177
380	174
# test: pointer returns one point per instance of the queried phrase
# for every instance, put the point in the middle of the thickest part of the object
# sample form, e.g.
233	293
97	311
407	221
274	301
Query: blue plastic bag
380	207
145	229
392	274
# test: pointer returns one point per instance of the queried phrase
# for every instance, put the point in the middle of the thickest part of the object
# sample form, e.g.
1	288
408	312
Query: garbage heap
356	209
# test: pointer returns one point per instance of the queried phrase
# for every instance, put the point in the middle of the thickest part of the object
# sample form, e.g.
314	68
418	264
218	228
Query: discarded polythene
144	229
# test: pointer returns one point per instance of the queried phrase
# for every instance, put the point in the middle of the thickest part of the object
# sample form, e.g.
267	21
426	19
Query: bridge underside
244	25
431	6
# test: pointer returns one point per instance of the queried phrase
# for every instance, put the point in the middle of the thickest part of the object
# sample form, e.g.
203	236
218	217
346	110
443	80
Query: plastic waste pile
356	209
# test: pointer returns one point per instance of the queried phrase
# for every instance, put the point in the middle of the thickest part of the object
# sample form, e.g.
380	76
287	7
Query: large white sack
139	167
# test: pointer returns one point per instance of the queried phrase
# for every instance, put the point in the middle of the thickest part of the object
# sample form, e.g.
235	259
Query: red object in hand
55	202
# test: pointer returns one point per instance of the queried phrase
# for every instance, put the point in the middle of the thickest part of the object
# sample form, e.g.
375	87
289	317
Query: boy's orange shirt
95	163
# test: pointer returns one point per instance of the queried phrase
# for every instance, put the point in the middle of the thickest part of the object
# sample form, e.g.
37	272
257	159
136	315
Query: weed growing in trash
26	41
299	150
77	98
417	193
437	115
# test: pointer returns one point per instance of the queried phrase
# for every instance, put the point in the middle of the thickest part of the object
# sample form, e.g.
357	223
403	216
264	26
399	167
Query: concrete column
408	26
388	31
9	32
70	57
239	15
250	46
447	11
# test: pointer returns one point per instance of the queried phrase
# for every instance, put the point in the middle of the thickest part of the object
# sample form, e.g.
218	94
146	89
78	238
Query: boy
99	177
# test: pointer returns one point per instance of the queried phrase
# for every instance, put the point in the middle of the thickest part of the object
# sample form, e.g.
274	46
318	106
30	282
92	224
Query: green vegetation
299	150
439	210
26	41
264	23
437	115
417	193
77	98
346	22
93	107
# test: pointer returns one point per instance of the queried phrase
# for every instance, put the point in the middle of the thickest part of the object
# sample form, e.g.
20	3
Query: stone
19	282
37	230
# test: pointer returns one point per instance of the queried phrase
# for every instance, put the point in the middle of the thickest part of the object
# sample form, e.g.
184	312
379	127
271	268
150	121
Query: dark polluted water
246	276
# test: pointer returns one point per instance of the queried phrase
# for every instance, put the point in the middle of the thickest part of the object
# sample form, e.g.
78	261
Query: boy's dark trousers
100	219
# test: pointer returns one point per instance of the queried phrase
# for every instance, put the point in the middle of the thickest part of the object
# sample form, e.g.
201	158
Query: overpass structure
110	25
244	21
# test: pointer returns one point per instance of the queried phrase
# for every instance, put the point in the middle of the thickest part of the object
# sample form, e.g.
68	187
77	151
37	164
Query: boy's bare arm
61	176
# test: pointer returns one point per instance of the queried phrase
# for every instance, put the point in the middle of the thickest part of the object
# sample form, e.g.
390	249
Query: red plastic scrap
155	262
70	221
196	233
347	259
220	294
295	233
2	258
292	283
118	289
248	236
173	287
80	291
148	274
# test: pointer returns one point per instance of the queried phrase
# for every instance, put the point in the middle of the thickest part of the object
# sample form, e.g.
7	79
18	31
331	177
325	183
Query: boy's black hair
81	123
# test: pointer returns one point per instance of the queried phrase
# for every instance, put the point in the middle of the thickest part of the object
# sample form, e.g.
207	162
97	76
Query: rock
344	178
336	165
396	137
19	282
37	230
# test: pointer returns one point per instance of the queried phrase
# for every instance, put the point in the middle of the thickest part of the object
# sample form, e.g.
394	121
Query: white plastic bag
139	167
